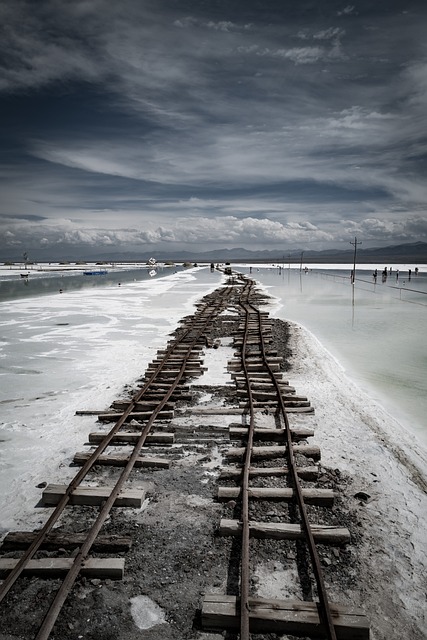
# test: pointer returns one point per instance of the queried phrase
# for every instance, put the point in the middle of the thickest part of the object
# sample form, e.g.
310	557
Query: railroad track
264	467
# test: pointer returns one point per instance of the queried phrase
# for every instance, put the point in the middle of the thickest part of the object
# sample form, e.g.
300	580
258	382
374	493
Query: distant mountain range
412	252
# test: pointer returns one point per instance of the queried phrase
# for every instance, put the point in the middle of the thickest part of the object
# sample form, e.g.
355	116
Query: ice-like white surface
77	350
375	330
357	436
146	613
60	353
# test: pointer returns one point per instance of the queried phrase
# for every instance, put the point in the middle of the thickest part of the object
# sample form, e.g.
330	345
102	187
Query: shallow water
60	353
375	329
77	350
14	287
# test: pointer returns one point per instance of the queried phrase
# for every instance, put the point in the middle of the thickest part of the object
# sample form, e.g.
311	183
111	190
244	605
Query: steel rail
79	477
13	576
79	559
245	537
325	611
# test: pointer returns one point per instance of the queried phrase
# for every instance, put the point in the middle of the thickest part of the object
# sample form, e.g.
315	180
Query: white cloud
415	82
198	231
332	33
209	104
346	11
185	23
220	26
389	229
301	55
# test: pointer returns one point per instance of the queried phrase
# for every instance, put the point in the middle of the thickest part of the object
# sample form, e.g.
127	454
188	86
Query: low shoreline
358	437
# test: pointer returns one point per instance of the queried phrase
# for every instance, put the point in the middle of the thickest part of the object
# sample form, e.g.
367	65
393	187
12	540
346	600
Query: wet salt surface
61	353
76	350
356	435
376	331
50	279
146	613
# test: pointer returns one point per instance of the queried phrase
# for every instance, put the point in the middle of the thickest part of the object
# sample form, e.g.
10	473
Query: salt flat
55	348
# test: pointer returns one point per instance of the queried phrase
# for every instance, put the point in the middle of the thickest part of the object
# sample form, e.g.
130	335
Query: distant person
375	274
416	271
397	274
391	270
409	273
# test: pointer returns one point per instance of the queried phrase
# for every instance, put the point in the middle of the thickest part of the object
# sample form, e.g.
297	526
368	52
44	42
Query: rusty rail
325	611
190	336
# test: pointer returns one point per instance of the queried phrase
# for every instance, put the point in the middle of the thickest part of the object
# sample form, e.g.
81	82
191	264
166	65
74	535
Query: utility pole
353	273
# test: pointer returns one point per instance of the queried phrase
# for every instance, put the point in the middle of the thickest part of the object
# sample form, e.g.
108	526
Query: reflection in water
41	283
352	305
380	343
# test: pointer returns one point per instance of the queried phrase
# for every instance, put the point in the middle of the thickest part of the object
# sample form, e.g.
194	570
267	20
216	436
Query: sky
170	125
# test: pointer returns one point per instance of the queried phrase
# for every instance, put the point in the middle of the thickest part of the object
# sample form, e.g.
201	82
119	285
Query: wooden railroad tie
167	375
135	415
253	330
252	358
131	437
252	367
257	353
163	386
324	534
180	348
158	395
269	453
264	386
112	568
238	411
172	373
278	435
319	497
261	376
178	360
18	540
307	473
121	460
238	342
272	404
260	395
93	496
143	405
290	617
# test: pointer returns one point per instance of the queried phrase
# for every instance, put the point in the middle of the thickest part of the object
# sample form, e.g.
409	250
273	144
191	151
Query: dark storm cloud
260	123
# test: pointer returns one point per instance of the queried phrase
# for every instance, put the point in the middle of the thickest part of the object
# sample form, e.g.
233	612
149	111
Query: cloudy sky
143	125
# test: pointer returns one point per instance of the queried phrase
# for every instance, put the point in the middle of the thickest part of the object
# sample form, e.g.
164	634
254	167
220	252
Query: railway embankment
180	542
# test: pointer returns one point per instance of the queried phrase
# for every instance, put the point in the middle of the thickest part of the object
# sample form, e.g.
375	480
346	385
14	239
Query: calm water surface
376	330
13	287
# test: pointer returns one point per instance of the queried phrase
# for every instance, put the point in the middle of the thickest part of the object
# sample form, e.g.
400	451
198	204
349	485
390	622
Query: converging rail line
260	391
